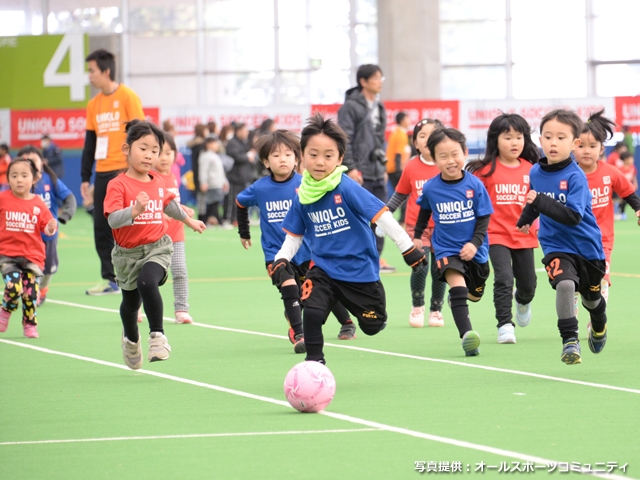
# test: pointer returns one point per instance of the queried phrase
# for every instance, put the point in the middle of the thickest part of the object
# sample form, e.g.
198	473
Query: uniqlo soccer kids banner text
628	113
44	71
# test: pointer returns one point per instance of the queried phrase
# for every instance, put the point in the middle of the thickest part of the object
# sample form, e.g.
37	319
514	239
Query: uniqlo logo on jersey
525	178
47	188
161	192
297	190
116	104
563	184
469	193
337	198
606	180
36	210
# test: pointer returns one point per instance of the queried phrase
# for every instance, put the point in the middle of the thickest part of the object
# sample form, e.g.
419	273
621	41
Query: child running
175	230
415	174
604	180
504	171
134	207
569	235
23	218
62	205
280	154
461	208
334	214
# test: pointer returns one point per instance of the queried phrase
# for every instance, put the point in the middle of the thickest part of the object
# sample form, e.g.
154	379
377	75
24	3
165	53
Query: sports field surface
406	399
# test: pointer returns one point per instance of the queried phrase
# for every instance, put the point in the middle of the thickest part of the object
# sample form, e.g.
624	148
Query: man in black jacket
363	118
241	174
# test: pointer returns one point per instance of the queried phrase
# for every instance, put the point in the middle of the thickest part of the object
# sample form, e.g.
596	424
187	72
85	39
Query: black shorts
475	274
365	301
586	274
51	261
299	271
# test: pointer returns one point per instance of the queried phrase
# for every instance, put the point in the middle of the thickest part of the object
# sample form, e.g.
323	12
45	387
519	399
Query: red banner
65	127
628	113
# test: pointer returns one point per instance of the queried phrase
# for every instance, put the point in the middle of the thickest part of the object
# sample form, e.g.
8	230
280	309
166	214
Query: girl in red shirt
416	172
504	171
23	217
135	205
604	180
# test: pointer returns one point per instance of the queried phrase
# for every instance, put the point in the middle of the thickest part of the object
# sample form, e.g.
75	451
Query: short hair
269	142
620	145
400	116
211	139
318	125
625	155
136	129
567	117
45	137
365	72
104	60
238	126
4	146
441	134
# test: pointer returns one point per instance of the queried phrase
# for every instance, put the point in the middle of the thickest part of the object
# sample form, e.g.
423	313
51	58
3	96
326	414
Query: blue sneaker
105	287
571	352
470	343
597	340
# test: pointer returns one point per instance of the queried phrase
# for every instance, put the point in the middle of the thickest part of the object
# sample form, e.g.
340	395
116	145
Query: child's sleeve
66	200
45	215
423	215
245	199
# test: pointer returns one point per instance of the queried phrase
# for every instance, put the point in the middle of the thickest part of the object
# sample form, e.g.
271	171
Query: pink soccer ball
309	387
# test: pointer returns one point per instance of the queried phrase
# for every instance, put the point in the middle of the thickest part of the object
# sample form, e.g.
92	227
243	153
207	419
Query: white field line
347	418
391	354
193	435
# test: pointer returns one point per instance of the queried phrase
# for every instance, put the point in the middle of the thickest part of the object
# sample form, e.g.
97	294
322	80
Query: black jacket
243	170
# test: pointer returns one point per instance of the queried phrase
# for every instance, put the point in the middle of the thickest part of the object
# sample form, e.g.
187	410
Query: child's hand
204	187
142	200
525	228
195	225
246	243
531	196
51	227
189	211
468	251
225	187
417	242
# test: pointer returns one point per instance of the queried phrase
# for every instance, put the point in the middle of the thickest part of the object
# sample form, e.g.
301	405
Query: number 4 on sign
76	79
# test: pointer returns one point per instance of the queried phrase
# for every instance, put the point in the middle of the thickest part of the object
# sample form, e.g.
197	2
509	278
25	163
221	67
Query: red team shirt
175	228
149	226
508	187
414	176
21	222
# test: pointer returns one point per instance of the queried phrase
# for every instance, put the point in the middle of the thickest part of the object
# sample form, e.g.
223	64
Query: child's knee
371	323
13	284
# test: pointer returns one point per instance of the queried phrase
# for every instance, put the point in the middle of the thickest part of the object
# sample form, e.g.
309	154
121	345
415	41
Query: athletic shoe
140	315
470	343
292	335
183	317
623	216
523	313
298	344
347	331
42	296
159	348
571	352
131	353
4	319
416	317
506	334
105	287
385	267
30	330
435	319
597	340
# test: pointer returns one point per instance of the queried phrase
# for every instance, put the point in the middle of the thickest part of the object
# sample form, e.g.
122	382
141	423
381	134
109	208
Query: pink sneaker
30	330
435	319
4	319
416	318
183	317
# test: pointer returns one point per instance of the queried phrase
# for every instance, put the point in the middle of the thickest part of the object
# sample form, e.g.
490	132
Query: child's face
421	140
213	146
21	179
281	161
142	153
510	145
557	141
629	161
588	151
450	159
321	156
166	159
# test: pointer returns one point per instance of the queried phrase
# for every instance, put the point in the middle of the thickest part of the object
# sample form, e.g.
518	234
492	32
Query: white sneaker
131	353
159	348
435	319
506	334
183	317
416	319
523	313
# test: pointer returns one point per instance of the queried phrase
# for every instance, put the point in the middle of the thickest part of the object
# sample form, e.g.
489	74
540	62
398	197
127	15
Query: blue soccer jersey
570	187
274	200
455	208
53	196
338	229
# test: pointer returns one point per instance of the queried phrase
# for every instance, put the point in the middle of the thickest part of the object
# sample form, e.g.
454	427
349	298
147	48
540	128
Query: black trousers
102	234
509	264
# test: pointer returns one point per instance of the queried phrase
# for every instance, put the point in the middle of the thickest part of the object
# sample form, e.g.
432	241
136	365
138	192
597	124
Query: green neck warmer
312	190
